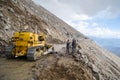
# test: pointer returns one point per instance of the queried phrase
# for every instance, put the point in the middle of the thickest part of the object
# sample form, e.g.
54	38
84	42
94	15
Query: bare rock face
90	62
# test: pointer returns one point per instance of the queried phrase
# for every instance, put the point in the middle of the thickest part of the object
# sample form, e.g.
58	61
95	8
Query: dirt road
13	69
18	69
49	67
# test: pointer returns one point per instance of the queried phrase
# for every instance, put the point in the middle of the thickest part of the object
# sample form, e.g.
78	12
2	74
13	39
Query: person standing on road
74	44
67	46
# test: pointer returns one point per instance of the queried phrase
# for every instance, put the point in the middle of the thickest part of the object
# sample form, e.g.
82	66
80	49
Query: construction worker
67	46
74	44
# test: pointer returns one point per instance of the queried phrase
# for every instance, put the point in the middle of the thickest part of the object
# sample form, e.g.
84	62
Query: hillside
90	62
16	15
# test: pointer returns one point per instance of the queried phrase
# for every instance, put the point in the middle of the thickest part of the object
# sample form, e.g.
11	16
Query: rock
80	56
1	15
1	7
112	78
95	69
11	9
85	59
15	1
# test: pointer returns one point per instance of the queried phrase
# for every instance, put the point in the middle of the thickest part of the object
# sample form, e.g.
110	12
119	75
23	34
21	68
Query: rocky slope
20	14
91	62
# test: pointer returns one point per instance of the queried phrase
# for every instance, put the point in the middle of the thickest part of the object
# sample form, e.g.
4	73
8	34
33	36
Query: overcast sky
97	18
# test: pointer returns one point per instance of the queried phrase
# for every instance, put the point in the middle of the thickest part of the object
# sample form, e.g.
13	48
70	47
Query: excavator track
33	54
8	51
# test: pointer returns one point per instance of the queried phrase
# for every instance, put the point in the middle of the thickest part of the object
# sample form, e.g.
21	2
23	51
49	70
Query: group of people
72	44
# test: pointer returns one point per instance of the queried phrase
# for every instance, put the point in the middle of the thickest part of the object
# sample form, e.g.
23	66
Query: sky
95	18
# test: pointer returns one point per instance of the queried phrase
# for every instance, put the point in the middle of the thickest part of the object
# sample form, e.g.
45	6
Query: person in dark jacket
67	46
74	44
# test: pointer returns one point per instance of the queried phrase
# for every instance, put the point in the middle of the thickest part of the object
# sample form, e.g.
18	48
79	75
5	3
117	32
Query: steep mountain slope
18	14
91	62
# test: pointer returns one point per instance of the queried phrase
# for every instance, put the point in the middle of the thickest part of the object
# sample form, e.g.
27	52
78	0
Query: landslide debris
62	68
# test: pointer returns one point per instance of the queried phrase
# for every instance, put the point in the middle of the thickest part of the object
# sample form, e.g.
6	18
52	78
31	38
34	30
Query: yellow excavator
27	44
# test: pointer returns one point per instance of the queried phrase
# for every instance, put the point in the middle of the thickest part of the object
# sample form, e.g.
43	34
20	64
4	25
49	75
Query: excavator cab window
40	38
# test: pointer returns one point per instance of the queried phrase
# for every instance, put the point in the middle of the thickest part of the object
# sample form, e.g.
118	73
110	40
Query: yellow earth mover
27	44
